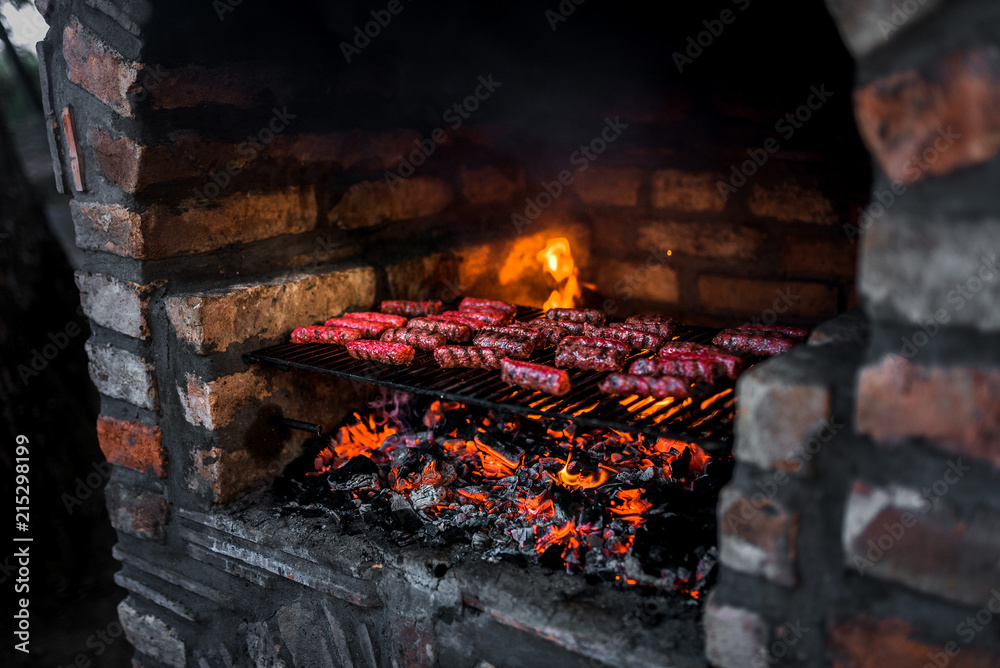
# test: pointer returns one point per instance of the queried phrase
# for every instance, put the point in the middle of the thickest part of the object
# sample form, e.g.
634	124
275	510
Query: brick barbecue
239	171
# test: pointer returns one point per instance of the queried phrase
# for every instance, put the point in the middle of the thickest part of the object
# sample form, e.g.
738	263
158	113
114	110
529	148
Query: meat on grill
513	347
750	343
552	332
381	351
723	362
567	326
533	376
655	324
689	368
689	347
474	303
387	318
334	335
646	386
453	331
580	315
798	334
454	316
370	329
487	316
421	339
473	357
519	332
409	309
636	338
595	342
594	359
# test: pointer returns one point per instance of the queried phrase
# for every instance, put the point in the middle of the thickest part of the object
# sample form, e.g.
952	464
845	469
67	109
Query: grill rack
706	417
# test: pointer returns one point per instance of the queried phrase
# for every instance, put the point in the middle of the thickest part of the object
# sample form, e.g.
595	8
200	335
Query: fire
361	438
585	480
557	258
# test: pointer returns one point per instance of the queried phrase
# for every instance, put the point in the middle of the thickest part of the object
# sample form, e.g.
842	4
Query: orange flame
585	480
557	258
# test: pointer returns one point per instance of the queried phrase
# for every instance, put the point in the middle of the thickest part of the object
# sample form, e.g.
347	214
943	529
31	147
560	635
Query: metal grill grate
706	417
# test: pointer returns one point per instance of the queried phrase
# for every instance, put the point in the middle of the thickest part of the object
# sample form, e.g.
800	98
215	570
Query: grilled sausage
558	329
454	316
513	347
421	339
487	316
595	342
453	331
408	308
594	359
474	303
655	324
370	329
533	376
381	351
797	334
636	338
750	343
474	357
334	335
580	315
519	332
645	386
689	347
387	318
723	363
690	368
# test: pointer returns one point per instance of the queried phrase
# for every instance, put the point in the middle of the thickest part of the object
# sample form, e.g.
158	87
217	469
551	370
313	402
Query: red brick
134	166
809	256
430	276
350	150
902	115
213	320
865	641
717	240
792	203
686	191
613	186
370	203
489	185
135	511
623	281
909	536
237	85
734	637
133	445
957	407
755	296
164	230
757	536
98	68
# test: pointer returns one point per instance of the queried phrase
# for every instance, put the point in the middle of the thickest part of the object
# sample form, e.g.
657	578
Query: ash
609	505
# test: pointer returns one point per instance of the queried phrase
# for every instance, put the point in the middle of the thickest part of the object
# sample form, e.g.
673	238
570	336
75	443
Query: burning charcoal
524	537
358	473
480	541
406	518
424	497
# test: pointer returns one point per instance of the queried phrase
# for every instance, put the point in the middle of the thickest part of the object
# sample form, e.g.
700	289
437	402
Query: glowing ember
557	259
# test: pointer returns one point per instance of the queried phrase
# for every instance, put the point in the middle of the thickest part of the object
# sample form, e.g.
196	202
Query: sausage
653	323
798	334
749	343
567	326
513	347
451	330
580	315
690	368
408	308
381	351
334	335
454	316
595	342
723	363
387	318
474	303
689	347
370	329
594	359
519	332
490	316
533	376
474	357
636	338
421	339
645	386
